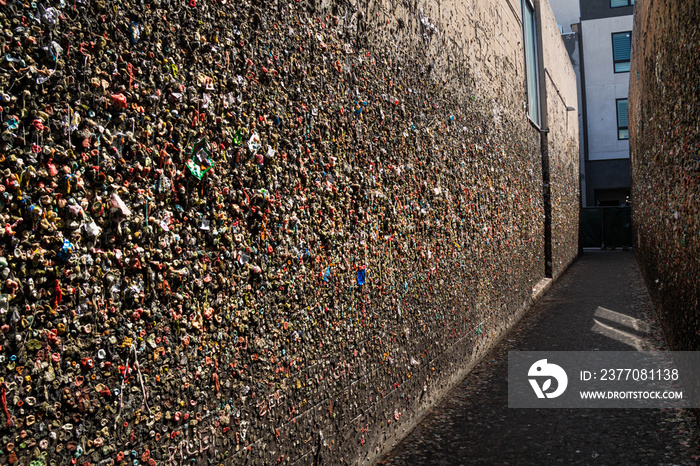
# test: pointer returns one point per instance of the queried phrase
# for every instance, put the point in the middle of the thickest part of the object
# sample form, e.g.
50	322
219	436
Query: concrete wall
369	220
567	14
562	143
603	86
572	43
664	111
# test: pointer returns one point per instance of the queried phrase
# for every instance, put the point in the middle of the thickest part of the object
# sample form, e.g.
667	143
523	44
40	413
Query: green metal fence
606	227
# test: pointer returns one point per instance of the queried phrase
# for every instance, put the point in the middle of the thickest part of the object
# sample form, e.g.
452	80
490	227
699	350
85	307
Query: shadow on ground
601	304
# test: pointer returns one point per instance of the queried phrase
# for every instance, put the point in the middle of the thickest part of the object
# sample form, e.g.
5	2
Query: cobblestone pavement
473	425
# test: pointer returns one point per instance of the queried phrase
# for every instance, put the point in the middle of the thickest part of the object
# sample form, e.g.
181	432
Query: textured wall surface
663	119
260	232
562	143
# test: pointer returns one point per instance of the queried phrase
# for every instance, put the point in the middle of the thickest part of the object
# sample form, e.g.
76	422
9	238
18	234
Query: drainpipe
544	147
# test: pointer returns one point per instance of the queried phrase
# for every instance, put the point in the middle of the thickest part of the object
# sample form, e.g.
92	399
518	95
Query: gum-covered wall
562	142
664	141
259	232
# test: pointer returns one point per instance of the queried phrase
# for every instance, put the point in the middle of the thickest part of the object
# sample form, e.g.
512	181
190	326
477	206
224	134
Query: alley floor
473	424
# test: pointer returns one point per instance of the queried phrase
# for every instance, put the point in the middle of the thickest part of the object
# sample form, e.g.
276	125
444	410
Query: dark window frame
617	113
629	3
536	112
618	61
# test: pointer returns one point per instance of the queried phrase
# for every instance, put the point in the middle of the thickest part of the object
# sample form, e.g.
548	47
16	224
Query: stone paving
473	424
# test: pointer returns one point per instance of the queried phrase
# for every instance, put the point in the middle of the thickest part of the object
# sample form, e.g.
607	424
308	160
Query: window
622	49
532	73
619	3
622	130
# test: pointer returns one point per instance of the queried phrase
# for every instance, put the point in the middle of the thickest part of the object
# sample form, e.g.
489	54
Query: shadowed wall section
664	140
562	143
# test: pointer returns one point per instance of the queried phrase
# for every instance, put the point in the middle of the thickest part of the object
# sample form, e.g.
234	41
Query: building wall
599	9
608	175
572	43
566	12
663	109
603	86
372	223
562	144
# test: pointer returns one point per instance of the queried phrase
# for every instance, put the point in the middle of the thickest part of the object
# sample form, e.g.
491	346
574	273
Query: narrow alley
600	304
280	233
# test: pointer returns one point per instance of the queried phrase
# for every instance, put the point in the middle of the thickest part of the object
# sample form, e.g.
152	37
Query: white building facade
602	36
